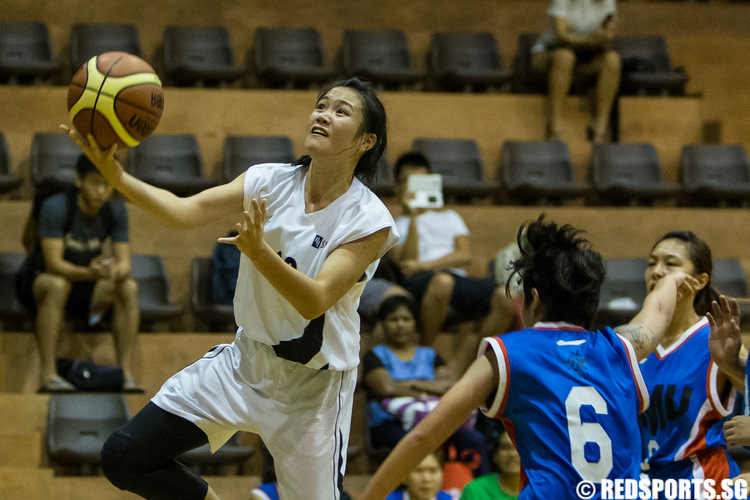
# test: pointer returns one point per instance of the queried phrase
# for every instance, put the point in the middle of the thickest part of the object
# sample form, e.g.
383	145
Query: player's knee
119	460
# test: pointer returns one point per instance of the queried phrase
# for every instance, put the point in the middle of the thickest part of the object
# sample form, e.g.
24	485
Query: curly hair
563	268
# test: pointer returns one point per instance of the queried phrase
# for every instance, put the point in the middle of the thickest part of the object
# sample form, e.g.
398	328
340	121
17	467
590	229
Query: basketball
117	97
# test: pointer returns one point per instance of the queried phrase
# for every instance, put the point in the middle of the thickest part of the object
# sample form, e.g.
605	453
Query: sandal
57	385
130	387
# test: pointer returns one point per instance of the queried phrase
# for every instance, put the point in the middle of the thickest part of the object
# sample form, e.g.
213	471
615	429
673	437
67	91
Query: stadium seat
8	180
77	427
199	56
203	461
466	61
629	174
538	172
647	68
11	310
729	278
218	317
26	54
172	162
88	40
289	57
383	184
53	160
382	56
242	152
622	292
715	175
153	290
460	164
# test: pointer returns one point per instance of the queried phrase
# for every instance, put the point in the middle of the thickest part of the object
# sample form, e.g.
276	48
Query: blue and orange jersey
683	428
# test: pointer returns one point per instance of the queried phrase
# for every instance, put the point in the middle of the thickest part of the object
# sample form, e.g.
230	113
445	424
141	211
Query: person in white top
433	253
311	235
577	39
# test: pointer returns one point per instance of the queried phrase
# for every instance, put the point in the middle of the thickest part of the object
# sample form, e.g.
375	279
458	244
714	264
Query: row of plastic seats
623	290
530	172
289	57
147	270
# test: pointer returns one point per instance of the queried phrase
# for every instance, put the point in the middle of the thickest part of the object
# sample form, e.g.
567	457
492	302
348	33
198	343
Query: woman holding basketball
311	236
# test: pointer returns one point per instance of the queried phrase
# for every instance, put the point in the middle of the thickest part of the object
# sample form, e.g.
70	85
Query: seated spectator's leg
123	297
606	91
51	294
561	66
435	305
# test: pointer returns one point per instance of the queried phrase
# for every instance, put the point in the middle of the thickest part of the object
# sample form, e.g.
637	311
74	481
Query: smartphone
427	189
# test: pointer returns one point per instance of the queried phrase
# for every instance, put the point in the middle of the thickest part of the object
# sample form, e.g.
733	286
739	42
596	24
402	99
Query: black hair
394	302
563	268
412	159
84	166
373	122
700	255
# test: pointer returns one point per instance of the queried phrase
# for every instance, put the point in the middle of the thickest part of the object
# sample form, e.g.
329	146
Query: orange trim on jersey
510	428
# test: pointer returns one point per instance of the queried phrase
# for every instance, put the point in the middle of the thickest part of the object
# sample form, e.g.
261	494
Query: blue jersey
682	432
569	399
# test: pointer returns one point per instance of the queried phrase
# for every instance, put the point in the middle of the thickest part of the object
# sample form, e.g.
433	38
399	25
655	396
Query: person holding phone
433	254
577	40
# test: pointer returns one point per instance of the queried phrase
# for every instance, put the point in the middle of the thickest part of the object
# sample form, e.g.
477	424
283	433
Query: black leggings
140	457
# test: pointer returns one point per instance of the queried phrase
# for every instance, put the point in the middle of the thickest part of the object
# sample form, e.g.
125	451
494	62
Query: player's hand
687	285
249	239
737	430
105	160
724	339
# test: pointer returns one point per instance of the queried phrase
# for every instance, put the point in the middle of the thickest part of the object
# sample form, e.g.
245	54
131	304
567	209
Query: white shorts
303	415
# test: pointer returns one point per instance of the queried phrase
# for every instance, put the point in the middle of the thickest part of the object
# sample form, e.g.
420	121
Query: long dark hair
563	268
699	254
373	122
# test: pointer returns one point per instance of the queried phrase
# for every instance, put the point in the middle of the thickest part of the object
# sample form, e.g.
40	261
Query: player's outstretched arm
472	391
725	341
201	209
647	328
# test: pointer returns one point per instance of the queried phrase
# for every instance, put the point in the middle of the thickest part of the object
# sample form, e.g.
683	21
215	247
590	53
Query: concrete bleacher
710	41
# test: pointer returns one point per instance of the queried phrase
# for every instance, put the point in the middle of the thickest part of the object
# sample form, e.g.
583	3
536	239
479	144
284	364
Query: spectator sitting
404	382
69	274
433	252
424	482
503	484
577	40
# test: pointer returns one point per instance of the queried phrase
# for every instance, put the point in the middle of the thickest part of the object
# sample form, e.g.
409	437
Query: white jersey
304	241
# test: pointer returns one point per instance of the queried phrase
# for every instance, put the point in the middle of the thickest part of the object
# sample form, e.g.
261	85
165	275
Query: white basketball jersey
304	241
